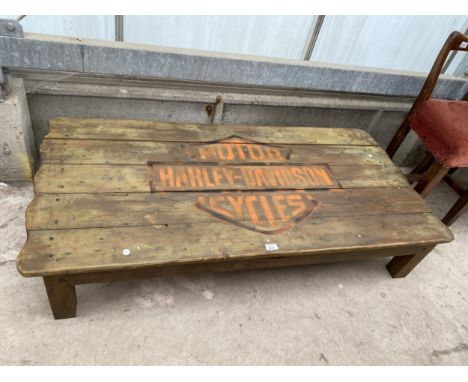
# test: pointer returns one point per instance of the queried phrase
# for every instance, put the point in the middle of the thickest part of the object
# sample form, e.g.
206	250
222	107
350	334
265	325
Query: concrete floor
338	314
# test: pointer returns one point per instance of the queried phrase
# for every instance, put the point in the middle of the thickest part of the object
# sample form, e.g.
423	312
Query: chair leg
398	138
424	164
452	182
457	209
417	173
431	178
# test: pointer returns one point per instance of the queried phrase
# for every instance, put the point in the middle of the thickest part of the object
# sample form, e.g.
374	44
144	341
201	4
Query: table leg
62	296
401	266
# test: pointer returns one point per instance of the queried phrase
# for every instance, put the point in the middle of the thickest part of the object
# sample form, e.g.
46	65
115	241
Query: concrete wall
17	149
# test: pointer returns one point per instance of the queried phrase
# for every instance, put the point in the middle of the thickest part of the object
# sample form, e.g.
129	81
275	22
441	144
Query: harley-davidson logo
269	213
252	184
200	177
234	149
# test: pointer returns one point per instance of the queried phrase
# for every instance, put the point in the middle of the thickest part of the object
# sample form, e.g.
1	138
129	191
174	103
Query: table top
118	194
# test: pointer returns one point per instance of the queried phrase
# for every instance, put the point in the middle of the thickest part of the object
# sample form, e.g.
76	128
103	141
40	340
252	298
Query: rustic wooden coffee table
127	199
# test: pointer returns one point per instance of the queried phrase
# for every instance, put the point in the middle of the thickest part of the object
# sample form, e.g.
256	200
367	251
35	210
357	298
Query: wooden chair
442	126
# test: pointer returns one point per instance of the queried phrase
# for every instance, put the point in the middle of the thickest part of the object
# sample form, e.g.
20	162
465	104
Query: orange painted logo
252	185
202	177
268	213
236	149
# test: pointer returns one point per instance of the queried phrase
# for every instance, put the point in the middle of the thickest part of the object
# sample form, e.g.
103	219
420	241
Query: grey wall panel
273	36
381	126
44	107
297	116
393	42
89	57
386	126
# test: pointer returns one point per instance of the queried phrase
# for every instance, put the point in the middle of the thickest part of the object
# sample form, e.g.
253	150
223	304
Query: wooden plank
135	178
49	252
71	151
201	177
130	130
65	211
237	265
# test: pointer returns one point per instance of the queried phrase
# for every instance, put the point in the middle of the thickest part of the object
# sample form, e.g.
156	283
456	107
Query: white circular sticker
126	252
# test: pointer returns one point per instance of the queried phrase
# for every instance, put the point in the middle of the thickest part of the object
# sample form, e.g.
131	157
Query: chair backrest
455	41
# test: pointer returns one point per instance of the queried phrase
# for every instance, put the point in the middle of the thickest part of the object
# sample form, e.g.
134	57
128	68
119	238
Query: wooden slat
202	177
129	130
70	151
100	249
65	211
260	262
135	178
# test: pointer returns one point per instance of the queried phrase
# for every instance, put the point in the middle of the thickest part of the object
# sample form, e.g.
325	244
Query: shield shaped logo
236	149
250	184
263	212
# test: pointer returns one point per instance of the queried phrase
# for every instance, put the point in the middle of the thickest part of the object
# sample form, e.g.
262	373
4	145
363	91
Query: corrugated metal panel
393	42
96	27
274	36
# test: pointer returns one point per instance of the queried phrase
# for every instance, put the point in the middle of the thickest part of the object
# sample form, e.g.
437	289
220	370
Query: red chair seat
443	128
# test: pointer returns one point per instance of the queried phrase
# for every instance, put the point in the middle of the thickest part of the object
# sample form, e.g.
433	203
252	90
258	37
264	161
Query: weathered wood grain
59	211
130	130
202	177
54	252
242	264
62	296
401	266
66	179
71	151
